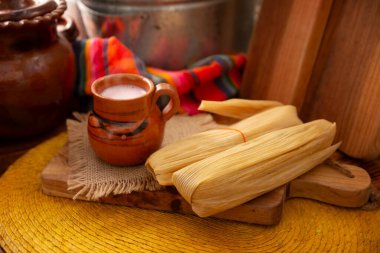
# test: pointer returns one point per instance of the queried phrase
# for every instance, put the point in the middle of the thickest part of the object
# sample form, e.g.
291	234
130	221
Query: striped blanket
216	77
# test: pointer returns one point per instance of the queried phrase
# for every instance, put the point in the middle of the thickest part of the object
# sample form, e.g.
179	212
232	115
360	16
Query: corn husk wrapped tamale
246	171
177	155
237	108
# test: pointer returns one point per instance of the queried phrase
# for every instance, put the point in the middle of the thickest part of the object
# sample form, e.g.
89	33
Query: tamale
245	171
237	108
177	155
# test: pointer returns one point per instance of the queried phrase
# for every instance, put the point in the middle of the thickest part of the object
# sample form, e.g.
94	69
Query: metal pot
172	34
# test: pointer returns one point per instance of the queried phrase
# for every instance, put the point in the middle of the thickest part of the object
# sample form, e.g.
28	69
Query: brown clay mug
126	124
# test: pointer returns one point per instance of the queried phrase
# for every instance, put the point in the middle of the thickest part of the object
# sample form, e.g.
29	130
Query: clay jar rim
37	13
122	110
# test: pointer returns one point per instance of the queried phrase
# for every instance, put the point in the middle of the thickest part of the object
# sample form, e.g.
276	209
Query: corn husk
177	155
237	108
246	171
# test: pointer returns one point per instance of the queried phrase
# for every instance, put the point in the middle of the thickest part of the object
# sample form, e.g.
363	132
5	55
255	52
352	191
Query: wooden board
344	86
323	57
323	183
283	49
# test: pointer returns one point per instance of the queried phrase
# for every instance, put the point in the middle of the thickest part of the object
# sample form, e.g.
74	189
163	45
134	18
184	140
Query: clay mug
126	124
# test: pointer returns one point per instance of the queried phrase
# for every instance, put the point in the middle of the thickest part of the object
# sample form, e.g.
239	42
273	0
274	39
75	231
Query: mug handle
165	89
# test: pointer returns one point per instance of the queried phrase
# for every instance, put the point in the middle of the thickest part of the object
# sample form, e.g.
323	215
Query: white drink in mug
123	91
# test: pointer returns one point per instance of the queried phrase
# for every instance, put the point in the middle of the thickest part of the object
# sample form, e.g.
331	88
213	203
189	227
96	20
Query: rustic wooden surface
329	185
323	183
266	210
283	49
344	86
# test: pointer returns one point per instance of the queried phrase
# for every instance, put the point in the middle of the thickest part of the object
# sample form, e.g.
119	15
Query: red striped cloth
216	77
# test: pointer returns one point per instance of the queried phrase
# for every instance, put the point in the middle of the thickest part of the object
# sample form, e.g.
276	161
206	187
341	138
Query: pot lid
17	13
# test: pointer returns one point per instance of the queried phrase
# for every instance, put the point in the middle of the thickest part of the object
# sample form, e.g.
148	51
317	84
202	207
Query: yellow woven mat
33	222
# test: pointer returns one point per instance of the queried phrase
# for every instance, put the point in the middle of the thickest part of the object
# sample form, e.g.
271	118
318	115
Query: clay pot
37	67
124	132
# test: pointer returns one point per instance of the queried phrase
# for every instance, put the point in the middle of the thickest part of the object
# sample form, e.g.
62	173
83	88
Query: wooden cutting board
323	57
323	183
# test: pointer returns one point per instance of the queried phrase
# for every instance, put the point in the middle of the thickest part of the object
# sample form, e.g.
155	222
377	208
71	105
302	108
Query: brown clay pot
124	132
37	68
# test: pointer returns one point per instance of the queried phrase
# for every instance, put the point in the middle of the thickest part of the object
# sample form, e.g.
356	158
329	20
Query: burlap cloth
92	178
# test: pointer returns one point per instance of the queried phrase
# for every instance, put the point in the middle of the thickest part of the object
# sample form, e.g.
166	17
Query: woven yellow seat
32	221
